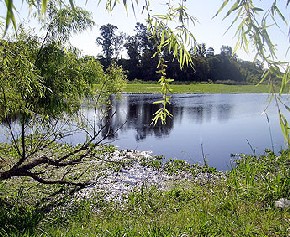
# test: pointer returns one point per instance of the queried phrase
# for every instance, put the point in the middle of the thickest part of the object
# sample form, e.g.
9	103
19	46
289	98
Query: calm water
223	124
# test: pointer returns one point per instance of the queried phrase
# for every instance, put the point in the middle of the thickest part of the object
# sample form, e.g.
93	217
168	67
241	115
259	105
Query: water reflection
137	112
225	124
139	118
224	112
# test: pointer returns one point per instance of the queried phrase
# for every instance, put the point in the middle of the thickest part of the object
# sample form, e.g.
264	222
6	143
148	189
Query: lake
203	125
210	125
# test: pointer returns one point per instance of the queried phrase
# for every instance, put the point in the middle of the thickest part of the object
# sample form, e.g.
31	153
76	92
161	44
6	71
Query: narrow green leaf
168	80
181	57
175	50
233	8
264	77
284	127
222	7
44	6
133	8
71	2
287	107
257	9
280	14
283	83
162	37
10	14
158	102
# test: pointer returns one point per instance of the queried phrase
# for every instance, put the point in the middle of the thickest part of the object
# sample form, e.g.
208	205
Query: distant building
210	52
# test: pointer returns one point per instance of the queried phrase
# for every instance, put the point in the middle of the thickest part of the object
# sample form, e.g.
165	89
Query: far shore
152	87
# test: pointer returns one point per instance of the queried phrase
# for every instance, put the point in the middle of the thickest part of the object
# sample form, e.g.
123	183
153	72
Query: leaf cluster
43	82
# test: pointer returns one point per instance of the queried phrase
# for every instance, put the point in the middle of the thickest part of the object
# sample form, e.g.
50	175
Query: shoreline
199	88
141	169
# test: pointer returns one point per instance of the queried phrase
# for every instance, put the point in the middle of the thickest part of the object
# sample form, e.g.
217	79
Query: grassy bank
197	88
239	204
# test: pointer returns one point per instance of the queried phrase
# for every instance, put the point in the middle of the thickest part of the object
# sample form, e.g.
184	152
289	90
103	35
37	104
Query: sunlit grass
241	205
197	88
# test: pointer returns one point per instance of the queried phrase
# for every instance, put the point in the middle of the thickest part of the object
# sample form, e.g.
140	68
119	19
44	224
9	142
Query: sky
208	30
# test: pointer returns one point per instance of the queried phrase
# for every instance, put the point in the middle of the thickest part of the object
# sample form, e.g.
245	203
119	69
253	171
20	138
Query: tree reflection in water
137	111
224	123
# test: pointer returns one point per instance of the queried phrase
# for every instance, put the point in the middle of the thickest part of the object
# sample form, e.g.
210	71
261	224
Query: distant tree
201	69
226	51
119	44
132	47
252	72
143	37
222	68
209	52
140	49
110	42
132	65
200	50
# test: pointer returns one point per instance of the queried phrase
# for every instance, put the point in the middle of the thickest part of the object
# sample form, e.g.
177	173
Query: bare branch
44	181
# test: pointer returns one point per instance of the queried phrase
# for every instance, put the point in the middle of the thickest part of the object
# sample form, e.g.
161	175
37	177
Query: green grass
240	205
197	88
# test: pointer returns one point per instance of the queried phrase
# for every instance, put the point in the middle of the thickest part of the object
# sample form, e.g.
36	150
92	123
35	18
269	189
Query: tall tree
137	44
42	81
110	42
140	49
107	40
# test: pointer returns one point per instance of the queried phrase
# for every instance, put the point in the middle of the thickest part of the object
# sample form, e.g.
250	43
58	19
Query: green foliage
10	8
246	197
17	218
251	28
162	113
254	25
21	81
177	166
133	87
43	82
115	79
65	21
70	79
268	172
224	66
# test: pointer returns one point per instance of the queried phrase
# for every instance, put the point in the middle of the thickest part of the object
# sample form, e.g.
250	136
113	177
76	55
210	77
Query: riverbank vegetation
44	82
240	202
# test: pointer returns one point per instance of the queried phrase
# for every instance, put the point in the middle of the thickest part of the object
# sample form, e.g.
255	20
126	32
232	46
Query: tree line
141	62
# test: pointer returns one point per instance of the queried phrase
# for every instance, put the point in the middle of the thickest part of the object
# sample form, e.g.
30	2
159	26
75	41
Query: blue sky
208	30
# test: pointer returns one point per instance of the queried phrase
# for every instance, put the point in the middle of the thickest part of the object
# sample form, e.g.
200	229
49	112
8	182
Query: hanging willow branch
253	29
170	29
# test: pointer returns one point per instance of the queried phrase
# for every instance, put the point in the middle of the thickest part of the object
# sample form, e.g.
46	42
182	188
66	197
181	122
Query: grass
240	205
197	88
